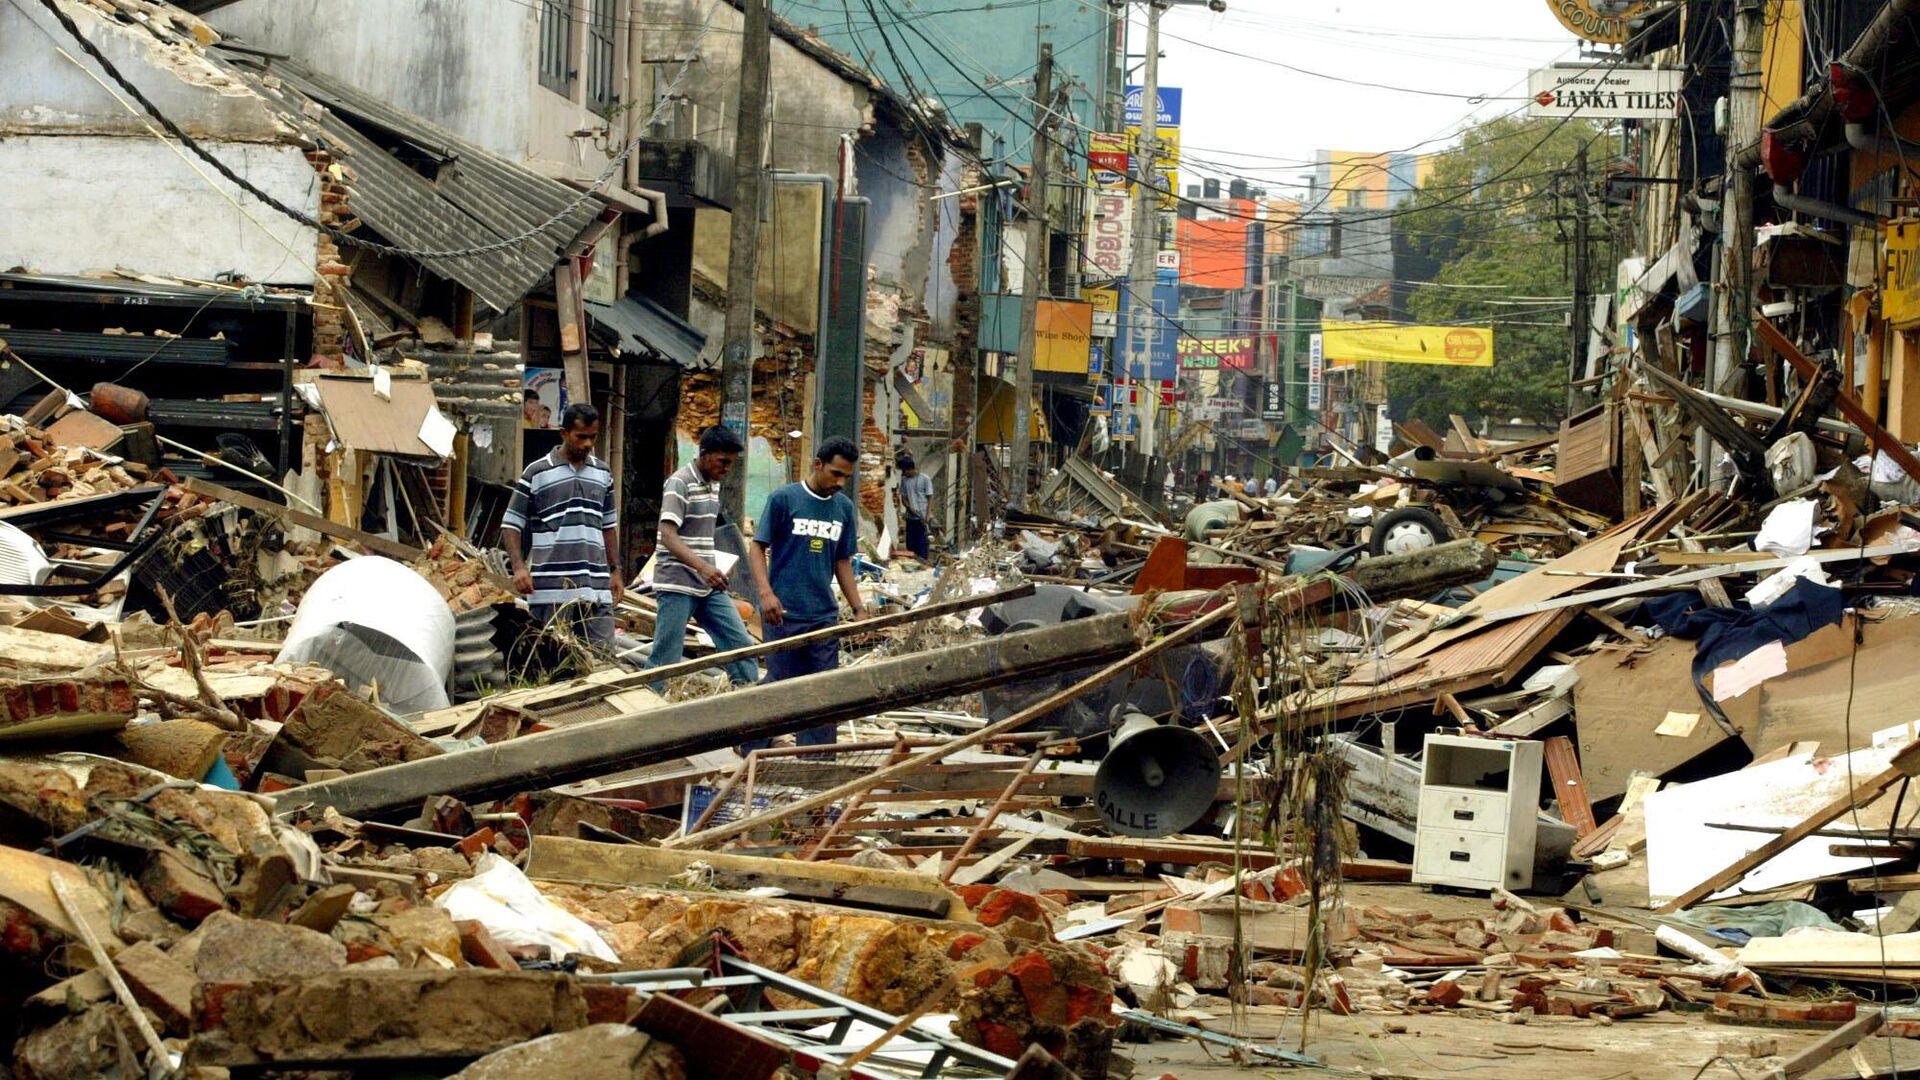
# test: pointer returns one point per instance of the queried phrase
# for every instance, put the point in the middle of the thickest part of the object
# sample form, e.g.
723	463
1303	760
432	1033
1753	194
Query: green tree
1490	233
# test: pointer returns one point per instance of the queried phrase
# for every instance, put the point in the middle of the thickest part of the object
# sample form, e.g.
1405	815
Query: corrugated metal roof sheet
476	196
645	327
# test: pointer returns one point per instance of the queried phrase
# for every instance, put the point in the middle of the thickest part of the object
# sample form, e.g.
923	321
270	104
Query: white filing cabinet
1479	805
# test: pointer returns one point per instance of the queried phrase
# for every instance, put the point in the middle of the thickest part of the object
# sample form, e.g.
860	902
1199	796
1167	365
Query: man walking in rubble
564	503
915	494
687	582
803	543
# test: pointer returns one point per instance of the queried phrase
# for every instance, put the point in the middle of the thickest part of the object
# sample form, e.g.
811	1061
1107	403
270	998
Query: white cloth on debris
1788	530
501	899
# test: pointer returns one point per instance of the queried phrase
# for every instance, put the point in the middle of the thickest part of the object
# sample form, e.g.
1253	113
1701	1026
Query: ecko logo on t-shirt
825	530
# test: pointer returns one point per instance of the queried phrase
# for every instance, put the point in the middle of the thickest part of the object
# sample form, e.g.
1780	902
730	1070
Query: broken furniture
1478	800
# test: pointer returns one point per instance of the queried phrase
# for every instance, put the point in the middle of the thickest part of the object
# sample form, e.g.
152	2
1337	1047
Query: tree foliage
1490	231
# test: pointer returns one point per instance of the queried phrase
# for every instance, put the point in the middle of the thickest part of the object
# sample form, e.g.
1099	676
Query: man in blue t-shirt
802	544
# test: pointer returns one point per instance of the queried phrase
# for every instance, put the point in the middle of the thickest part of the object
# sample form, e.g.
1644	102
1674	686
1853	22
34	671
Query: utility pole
1035	274
1736	210
743	259
1582	319
1140	279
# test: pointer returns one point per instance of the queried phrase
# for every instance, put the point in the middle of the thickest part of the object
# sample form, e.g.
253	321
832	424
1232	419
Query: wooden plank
1904	764
573	332
1834	1042
1843	398
1569	787
1675	581
379	545
827	633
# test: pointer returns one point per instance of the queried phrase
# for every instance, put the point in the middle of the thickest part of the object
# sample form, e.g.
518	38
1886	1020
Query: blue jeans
717	616
793	663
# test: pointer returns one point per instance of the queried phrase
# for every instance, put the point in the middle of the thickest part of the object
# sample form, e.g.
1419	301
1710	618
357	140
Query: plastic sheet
501	899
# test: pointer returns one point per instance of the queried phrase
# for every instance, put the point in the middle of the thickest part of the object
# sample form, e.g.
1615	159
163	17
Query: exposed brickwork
329	322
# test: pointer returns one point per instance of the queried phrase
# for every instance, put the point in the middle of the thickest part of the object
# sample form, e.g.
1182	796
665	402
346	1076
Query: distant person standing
1203	485
563	503
1273	484
915	494
803	544
686	580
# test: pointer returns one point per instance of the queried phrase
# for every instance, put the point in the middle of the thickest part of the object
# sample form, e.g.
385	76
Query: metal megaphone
1157	779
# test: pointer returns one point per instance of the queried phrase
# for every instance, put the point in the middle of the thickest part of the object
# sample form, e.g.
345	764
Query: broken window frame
601	54
556	46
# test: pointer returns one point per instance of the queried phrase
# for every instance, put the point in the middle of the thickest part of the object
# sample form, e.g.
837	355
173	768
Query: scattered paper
1679	725
1736	677
1788	530
437	432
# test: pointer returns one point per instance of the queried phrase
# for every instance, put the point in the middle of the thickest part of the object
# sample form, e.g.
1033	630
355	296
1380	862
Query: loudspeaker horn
1157	779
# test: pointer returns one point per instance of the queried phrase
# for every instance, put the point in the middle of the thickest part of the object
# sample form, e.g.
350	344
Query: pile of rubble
1437	757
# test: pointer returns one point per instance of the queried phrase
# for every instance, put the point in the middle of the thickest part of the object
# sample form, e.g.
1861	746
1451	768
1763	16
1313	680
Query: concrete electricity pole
749	154
1582	319
1140	276
1736	213
1034	275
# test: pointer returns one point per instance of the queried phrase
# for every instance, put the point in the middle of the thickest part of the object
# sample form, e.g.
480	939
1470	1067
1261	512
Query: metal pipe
1822	209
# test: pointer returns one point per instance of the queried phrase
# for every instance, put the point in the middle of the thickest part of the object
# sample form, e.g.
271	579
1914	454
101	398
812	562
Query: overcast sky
1245	115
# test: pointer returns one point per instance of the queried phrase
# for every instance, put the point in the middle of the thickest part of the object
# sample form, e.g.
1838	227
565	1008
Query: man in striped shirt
564	502
686	582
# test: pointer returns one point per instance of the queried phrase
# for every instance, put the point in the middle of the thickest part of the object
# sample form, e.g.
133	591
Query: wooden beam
1905	764
1843	398
1569	786
379	545
1833	1042
598	747
573	331
826	633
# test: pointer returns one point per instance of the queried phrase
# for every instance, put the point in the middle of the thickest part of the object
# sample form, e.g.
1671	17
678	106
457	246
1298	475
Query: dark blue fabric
805	536
917	539
1730	633
793	663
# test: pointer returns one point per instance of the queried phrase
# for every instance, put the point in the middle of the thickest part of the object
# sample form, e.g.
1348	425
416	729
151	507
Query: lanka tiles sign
1601	91
1214	353
1395	343
1900	275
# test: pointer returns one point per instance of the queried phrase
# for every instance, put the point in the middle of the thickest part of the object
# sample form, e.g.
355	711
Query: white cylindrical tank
373	621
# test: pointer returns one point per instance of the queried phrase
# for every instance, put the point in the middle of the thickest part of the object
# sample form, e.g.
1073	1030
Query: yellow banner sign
1394	343
1900	279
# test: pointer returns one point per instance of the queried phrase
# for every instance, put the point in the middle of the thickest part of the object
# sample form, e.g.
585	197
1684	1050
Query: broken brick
179	889
160	983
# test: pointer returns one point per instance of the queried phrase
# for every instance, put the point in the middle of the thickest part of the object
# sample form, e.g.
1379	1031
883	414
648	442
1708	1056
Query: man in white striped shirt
564	503
686	583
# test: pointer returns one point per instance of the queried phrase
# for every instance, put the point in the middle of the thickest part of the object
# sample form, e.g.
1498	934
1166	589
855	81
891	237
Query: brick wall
329	321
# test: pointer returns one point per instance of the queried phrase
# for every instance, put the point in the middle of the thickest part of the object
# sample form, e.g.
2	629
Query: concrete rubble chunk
236	950
100	1043
345	1017
182	748
600	1052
